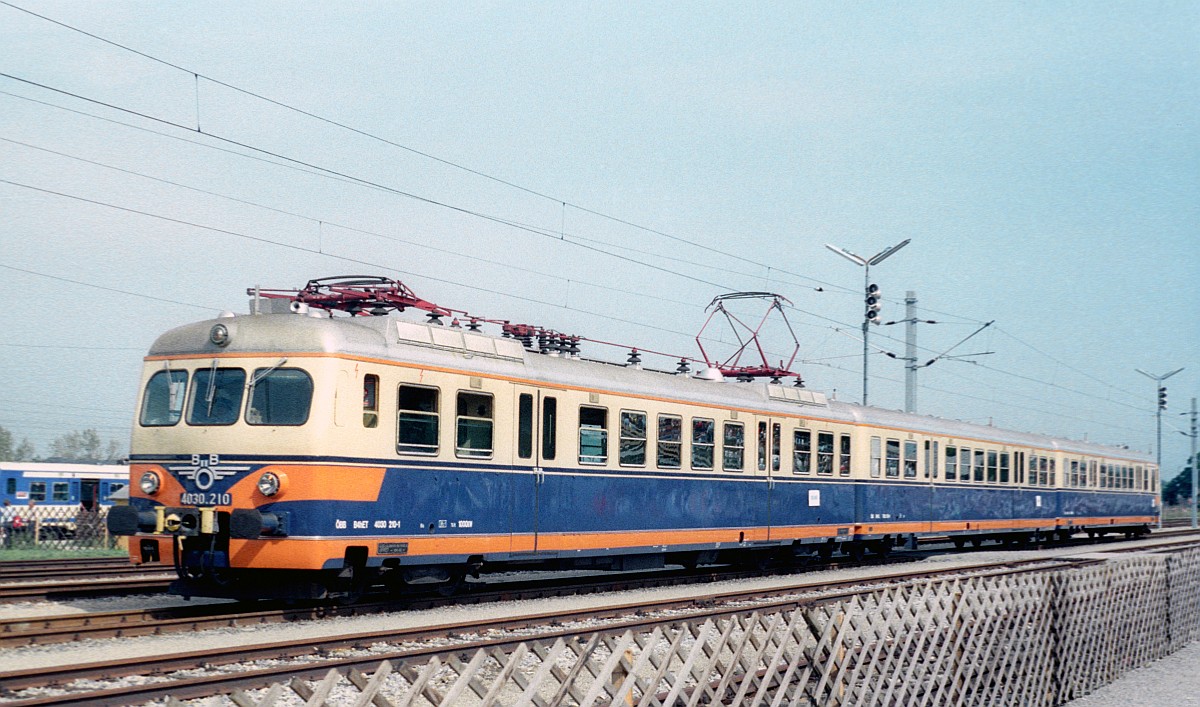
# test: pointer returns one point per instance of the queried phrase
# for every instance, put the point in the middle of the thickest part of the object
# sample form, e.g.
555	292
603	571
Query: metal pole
1192	459
866	334
910	351
1158	407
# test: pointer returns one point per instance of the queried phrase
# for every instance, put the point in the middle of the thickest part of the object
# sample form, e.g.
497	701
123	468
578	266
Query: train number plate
206	499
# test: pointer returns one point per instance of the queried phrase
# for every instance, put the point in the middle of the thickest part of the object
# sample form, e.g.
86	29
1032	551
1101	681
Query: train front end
232	481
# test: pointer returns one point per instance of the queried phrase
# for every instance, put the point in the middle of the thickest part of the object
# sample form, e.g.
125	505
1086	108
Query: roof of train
395	339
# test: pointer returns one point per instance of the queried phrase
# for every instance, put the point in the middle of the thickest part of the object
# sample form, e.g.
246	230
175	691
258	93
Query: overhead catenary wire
564	203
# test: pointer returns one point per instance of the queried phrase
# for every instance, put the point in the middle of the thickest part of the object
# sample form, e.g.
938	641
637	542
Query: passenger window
844	461
703	442
734	449
762	446
1004	467
525	426
892	470
801	452
474	423
825	453
10	486
670	441
992	467
876	456
910	460
964	457
549	428
60	491
371	401
979	465
417	422
935	461
1043	472
776	447
279	396
593	435
162	403
1052	481
633	438
1033	471
951	463
37	490
217	396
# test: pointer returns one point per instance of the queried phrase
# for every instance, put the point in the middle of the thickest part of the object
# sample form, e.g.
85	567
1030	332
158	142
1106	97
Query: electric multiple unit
306	455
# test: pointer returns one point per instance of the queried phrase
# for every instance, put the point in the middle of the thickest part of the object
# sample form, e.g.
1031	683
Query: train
300	454
52	485
50	495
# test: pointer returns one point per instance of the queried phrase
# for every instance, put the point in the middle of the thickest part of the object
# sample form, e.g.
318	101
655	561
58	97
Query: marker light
269	484
149	483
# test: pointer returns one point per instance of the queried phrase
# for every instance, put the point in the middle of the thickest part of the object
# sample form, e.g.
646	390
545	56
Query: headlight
219	335
269	484
149	483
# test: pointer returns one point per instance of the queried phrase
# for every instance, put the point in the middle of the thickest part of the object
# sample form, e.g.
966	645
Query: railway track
310	658
71	568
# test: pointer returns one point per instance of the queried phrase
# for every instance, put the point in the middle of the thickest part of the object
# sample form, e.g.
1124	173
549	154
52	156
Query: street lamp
1161	392
873	297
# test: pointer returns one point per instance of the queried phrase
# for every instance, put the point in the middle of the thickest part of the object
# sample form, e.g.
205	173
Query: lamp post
872	295
1161	392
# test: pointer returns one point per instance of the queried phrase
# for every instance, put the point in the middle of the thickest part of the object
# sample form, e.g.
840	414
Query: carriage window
1004	467
525	426
979	465
825	453
60	491
37	490
549	427
417	423
844	460
217	396
370	400
734	450
762	446
703	442
892	470
10	486
876	456
670	441
1052	481
934	461
474	422
910	460
801	452
1043	472
964	458
279	396
593	435
633	438
1033	471
992	466
776	447
951	463
162	404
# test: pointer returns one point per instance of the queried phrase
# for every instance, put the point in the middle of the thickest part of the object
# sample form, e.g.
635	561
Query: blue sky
1044	159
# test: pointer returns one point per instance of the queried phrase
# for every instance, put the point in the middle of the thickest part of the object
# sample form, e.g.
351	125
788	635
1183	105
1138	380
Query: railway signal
874	302
1162	397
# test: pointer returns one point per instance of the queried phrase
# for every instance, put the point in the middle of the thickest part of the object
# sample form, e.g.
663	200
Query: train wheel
959	543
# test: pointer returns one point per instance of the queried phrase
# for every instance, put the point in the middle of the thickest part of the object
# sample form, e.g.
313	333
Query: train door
88	493
769	435
536	416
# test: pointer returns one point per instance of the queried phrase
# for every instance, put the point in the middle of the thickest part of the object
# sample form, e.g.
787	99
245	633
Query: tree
1179	489
8	453
84	445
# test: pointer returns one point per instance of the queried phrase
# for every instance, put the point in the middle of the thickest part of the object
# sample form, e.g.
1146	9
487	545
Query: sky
607	169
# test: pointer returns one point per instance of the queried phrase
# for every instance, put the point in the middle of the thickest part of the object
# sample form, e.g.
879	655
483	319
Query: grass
49	553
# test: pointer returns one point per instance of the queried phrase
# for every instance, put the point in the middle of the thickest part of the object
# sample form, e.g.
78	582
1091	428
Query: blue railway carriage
301	455
52	493
53	485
